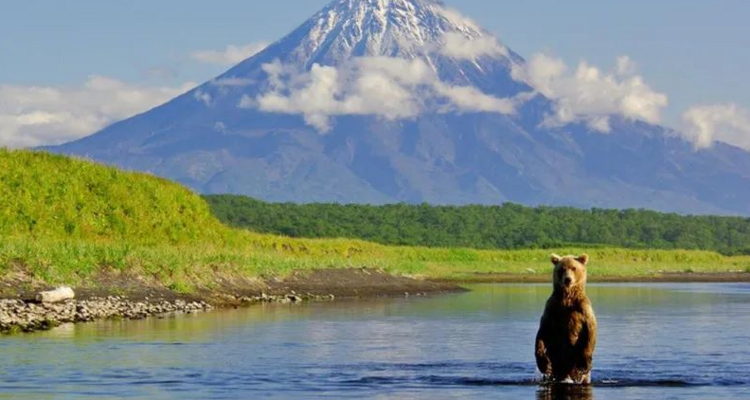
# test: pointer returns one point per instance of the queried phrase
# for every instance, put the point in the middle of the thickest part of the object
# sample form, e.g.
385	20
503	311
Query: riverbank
131	298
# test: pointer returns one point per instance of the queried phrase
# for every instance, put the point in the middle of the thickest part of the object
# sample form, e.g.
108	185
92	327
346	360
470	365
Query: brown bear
567	333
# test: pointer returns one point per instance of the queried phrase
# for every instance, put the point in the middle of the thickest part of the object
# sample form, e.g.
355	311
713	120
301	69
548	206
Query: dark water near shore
662	341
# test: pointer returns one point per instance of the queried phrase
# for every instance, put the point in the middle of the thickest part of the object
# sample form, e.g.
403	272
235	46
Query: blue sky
694	51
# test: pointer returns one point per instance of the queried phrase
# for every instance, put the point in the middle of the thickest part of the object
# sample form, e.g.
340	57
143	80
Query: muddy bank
131	297
342	283
359	282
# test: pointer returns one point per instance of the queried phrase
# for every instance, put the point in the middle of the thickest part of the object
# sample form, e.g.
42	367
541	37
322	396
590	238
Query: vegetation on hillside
509	226
70	221
56	197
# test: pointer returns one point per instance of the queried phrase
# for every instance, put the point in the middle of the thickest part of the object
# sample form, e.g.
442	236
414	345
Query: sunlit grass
182	266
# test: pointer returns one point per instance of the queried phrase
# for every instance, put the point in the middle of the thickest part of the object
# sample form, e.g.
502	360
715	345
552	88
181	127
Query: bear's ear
583	259
555	259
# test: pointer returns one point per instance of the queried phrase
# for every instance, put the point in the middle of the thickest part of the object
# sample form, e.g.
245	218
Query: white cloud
728	123
456	18
391	88
599	124
203	97
541	72
161	73
626	66
232	82
468	98
590	95
462	46
34	116
247	102
231	55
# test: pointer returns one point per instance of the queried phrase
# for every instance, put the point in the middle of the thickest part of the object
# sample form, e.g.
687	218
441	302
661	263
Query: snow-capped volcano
425	32
392	59
375	101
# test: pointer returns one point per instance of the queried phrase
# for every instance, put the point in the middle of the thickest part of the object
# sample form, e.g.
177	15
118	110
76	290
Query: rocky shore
32	310
27	316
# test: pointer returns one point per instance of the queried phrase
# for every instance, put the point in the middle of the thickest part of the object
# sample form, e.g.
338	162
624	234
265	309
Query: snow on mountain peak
391	28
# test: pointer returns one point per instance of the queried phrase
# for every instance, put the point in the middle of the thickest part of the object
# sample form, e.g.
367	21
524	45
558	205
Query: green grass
186	267
50	196
66	221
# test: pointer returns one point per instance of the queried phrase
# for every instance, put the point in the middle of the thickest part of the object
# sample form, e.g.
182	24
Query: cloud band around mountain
394	88
387	87
589	95
728	123
391	88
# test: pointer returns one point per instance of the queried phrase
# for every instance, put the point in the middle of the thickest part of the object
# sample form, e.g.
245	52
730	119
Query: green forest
509	226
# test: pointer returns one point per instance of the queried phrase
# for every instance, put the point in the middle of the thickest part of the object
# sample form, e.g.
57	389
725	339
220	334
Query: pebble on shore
284	299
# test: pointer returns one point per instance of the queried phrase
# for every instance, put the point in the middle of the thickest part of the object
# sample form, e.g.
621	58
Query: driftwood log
56	296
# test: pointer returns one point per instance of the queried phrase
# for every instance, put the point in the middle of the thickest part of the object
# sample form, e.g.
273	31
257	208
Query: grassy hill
50	196
71	221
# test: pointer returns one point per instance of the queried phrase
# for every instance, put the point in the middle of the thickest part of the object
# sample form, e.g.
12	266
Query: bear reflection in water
565	392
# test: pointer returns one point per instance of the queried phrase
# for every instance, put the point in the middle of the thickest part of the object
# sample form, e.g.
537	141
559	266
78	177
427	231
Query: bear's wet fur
566	339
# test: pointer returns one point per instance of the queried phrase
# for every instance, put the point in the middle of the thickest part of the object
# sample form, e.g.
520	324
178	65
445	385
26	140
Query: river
681	341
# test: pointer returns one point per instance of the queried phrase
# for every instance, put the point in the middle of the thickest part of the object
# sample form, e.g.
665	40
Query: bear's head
570	271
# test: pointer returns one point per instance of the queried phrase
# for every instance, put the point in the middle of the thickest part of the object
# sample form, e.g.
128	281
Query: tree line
507	226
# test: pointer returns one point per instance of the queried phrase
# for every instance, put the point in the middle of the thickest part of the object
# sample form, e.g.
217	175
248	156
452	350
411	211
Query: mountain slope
306	120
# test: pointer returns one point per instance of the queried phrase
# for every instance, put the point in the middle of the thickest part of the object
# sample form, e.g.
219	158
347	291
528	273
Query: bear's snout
568	278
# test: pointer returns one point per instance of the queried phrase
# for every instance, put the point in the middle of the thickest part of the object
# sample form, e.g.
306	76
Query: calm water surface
665	341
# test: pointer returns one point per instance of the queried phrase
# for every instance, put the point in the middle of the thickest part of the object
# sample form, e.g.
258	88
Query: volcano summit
377	101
